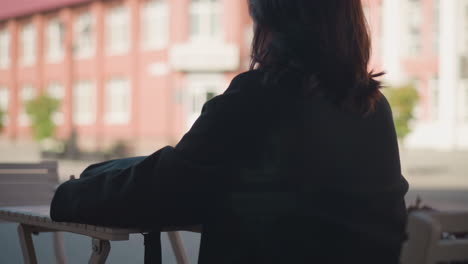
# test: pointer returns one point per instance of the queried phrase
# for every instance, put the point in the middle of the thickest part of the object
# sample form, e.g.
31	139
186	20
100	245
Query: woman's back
312	183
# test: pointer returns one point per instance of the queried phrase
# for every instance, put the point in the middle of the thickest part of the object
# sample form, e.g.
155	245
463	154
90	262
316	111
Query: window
205	19
84	103
54	40
414	27
84	36
436	25
26	94
434	98
464	27
466	102
117	30
200	97
248	38
463	100
56	91
367	12
28	44
4	48
200	89
4	100
419	108
155	24
249	35
118	101
374	17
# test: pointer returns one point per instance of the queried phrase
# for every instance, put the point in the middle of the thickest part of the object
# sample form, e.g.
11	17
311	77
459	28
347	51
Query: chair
436	237
30	184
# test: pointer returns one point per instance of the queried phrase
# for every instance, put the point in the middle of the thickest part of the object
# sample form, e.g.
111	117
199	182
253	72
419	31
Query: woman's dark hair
326	41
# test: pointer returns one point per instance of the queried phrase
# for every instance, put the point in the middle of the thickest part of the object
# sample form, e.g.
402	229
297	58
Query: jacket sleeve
173	186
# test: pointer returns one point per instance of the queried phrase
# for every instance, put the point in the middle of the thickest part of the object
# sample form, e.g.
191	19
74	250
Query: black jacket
273	175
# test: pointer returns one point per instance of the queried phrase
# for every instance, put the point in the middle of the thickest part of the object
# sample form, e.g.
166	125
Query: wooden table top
38	216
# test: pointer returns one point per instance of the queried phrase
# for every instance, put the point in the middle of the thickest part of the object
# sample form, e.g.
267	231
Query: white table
36	219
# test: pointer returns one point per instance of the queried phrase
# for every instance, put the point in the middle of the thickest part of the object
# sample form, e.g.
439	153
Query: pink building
132	70
140	70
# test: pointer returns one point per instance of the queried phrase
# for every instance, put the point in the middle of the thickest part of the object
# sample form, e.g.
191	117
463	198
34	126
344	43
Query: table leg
178	247
101	249
27	246
58	246
153	248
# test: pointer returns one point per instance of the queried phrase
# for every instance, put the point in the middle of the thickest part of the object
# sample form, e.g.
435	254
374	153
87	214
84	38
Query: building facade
131	70
425	42
140	70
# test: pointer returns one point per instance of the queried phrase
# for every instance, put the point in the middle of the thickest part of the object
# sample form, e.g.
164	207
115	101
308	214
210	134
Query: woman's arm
173	186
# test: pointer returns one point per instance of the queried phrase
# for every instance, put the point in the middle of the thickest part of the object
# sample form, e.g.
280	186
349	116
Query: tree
40	111
2	119
403	100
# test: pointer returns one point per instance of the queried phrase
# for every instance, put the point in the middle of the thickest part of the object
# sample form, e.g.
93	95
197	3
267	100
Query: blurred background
83	81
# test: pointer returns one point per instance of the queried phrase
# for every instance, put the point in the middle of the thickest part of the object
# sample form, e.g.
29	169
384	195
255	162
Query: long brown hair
327	41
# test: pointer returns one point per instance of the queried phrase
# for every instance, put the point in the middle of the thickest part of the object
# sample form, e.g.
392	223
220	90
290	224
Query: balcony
205	57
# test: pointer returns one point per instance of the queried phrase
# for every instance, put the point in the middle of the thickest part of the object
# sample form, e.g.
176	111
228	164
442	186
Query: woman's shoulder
249	76
383	104
248	81
242	94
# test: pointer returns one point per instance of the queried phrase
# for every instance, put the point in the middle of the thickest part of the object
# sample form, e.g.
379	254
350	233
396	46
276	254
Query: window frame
84	37
117	30
5	103
118	88
415	20
198	85
54	48
5	48
206	10
434	91
58	117
23	118
159	23
28	39
89	103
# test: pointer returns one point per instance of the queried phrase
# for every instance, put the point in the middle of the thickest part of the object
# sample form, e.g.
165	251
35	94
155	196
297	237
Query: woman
297	162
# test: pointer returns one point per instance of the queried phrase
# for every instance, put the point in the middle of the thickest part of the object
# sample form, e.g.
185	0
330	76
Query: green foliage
403	101
40	111
2	119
